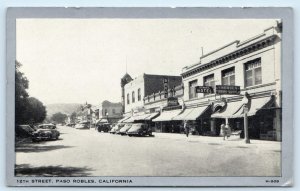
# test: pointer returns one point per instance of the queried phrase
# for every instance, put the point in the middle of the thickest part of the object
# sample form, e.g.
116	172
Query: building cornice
231	56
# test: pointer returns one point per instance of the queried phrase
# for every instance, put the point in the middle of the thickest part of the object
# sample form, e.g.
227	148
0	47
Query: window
113	111
192	90
133	97
228	76
128	99
253	73
209	81
105	112
139	94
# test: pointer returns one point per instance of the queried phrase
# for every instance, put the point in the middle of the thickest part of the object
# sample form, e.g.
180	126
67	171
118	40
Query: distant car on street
116	128
139	129
83	125
45	132
70	124
105	127
124	129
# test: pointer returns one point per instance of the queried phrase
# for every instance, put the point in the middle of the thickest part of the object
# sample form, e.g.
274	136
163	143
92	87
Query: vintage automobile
116	128
124	129
139	129
45	132
105	127
70	124
23	131
83	125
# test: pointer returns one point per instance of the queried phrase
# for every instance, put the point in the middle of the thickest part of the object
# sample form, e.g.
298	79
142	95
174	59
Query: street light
246	109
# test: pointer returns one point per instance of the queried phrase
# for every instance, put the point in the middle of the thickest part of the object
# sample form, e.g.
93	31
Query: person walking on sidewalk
224	131
186	128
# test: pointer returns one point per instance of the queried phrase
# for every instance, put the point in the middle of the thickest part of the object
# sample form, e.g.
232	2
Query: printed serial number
272	181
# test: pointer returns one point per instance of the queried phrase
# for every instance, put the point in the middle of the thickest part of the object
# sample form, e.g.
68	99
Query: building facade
254	66
108	112
147	87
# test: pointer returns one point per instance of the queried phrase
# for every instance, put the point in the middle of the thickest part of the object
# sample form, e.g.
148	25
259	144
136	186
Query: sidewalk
232	140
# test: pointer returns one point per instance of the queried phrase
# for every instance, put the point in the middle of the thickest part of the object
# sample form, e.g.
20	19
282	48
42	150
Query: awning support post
247	140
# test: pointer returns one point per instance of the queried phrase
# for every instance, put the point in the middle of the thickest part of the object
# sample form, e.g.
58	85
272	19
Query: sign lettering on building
172	101
226	89
204	89
166	88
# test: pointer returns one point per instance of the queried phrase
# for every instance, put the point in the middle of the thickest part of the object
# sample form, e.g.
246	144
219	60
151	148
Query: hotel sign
226	89
204	89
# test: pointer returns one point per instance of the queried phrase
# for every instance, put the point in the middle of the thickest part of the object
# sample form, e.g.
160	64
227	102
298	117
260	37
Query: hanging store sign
204	89
166	87
172	101
226	89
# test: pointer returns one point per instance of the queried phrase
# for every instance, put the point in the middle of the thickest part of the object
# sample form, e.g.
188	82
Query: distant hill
66	108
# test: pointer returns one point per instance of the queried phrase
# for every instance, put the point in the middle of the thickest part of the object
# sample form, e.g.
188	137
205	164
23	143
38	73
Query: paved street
89	153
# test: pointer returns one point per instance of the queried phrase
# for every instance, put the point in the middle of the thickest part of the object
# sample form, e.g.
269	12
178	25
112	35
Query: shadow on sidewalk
33	147
50	171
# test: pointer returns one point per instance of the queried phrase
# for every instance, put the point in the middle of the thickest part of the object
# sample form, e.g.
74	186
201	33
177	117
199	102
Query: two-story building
254	65
108	112
144	89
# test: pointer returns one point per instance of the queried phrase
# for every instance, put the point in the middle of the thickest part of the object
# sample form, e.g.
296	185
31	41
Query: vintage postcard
149	97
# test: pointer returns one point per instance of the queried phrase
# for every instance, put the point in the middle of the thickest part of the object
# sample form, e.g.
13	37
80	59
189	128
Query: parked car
139	129
45	132
105	127
83	125
116	128
23	131
124	129
71	124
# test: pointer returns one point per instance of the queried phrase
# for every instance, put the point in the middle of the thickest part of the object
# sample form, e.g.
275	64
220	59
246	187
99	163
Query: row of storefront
252	65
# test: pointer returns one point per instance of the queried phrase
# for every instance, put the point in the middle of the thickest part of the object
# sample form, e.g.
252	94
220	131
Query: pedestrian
186	128
224	132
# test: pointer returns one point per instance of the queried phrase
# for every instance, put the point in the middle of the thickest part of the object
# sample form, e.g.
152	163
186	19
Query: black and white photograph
147	97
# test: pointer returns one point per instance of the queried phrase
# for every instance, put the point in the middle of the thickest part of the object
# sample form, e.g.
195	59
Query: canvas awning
229	111
152	116
196	113
129	120
141	117
167	115
123	119
256	105
183	115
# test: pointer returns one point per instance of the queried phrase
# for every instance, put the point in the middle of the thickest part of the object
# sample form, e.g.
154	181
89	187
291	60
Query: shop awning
140	117
123	119
167	115
229	111
129	120
196	113
183	115
152	116
257	104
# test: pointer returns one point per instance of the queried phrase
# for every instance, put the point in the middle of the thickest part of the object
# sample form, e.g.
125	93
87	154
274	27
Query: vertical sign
166	88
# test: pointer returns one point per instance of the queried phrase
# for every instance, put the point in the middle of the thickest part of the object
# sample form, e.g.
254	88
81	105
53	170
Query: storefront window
133	97
209	81
139	94
228	76
253	73
128	99
192	90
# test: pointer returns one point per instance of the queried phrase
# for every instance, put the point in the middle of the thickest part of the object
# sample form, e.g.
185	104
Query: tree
36	111
21	95
59	117
28	110
73	117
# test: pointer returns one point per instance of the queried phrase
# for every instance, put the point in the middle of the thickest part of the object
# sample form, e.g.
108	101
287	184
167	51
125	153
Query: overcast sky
79	60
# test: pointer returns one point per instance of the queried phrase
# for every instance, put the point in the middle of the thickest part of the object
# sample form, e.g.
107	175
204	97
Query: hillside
66	108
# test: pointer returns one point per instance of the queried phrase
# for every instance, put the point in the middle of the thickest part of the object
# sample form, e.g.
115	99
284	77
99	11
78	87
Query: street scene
148	97
90	153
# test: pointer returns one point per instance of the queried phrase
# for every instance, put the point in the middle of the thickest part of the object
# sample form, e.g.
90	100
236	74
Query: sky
83	60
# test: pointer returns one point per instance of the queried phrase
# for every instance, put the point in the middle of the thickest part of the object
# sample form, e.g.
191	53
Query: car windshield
47	127
135	127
